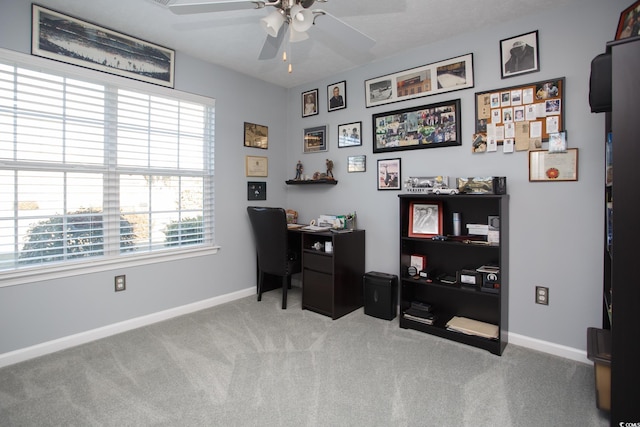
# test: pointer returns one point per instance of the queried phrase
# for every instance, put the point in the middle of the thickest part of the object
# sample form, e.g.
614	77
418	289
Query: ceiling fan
294	17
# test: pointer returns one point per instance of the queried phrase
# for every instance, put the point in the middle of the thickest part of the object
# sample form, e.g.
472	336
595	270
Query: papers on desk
294	226
315	228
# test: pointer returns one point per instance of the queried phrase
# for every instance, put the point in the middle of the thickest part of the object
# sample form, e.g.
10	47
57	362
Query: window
92	170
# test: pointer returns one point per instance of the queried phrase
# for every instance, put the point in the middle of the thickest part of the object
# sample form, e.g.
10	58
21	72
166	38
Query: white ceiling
234	39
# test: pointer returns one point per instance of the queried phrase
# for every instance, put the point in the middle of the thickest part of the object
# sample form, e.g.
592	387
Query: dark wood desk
331	281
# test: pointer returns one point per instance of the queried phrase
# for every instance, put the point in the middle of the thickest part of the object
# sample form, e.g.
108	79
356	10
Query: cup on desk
328	246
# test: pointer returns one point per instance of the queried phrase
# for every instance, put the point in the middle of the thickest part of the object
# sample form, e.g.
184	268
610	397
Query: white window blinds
92	169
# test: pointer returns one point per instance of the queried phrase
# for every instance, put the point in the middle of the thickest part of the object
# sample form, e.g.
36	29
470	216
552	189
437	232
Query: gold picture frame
256	166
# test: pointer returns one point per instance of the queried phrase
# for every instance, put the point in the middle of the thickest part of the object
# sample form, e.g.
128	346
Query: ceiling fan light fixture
272	23
301	18
297	36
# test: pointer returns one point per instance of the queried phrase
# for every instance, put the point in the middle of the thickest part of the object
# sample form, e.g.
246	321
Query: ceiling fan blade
214	6
272	44
342	31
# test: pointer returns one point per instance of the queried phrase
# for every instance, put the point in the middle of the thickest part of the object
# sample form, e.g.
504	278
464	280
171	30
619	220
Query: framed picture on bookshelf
425	219
627	22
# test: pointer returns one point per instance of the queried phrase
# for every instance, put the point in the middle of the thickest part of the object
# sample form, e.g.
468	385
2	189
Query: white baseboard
48	347
549	347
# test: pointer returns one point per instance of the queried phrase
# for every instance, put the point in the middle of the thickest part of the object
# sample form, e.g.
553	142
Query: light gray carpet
249	363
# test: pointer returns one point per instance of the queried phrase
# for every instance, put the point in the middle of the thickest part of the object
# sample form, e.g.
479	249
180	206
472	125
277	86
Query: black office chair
272	245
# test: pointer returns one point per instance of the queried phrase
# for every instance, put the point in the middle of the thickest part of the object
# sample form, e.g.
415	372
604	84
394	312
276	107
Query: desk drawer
318	262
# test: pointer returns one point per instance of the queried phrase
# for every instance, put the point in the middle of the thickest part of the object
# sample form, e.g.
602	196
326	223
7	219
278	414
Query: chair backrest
270	236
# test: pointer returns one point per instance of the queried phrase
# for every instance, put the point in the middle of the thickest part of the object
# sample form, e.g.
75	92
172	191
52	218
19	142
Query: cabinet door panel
317	291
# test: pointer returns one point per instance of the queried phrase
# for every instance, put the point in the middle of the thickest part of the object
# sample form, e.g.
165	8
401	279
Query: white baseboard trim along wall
48	347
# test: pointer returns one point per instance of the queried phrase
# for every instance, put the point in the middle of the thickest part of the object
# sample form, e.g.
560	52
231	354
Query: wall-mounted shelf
311	181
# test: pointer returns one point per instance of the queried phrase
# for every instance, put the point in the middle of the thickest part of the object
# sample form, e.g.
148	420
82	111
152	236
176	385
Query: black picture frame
519	55
350	134
144	61
431	79
256	136
389	174
256	190
310	103
426	126
314	139
338	102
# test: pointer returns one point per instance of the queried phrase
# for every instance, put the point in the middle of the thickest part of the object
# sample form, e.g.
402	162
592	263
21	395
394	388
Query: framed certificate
256	166
545	166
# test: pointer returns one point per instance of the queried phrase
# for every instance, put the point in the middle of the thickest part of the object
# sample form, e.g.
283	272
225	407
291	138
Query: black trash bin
380	295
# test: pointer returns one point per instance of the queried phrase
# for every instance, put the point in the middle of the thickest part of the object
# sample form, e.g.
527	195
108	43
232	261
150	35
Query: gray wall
555	229
42	311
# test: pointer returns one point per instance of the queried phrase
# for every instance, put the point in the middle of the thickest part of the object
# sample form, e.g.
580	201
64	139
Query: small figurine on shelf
299	170
329	169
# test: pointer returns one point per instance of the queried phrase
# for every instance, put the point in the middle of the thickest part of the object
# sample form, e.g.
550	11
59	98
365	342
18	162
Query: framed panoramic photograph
256	135
310	103
337	96
425	219
315	139
389	174
629	22
256	166
256	190
431	79
427	126
74	41
357	163
349	134
519	55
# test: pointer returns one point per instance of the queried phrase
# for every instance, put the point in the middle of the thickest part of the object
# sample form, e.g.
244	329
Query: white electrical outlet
542	295
121	283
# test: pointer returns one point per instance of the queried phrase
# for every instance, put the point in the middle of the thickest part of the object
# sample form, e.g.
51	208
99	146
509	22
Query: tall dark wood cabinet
450	257
625	286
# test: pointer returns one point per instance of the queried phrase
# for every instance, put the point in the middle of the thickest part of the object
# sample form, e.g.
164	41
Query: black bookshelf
451	256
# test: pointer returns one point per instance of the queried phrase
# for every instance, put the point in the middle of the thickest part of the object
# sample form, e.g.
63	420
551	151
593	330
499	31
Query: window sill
49	272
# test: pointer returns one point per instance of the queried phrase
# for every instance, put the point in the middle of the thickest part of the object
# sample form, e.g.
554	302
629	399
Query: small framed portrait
337	96
350	134
425	219
256	135
357	163
519	55
256	190
315	139
389	174
310	103
629	25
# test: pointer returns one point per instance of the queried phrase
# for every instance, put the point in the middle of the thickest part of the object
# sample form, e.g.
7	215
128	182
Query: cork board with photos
520	117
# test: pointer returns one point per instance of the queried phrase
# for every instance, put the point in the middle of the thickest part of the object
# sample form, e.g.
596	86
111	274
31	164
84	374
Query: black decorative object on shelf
311	181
